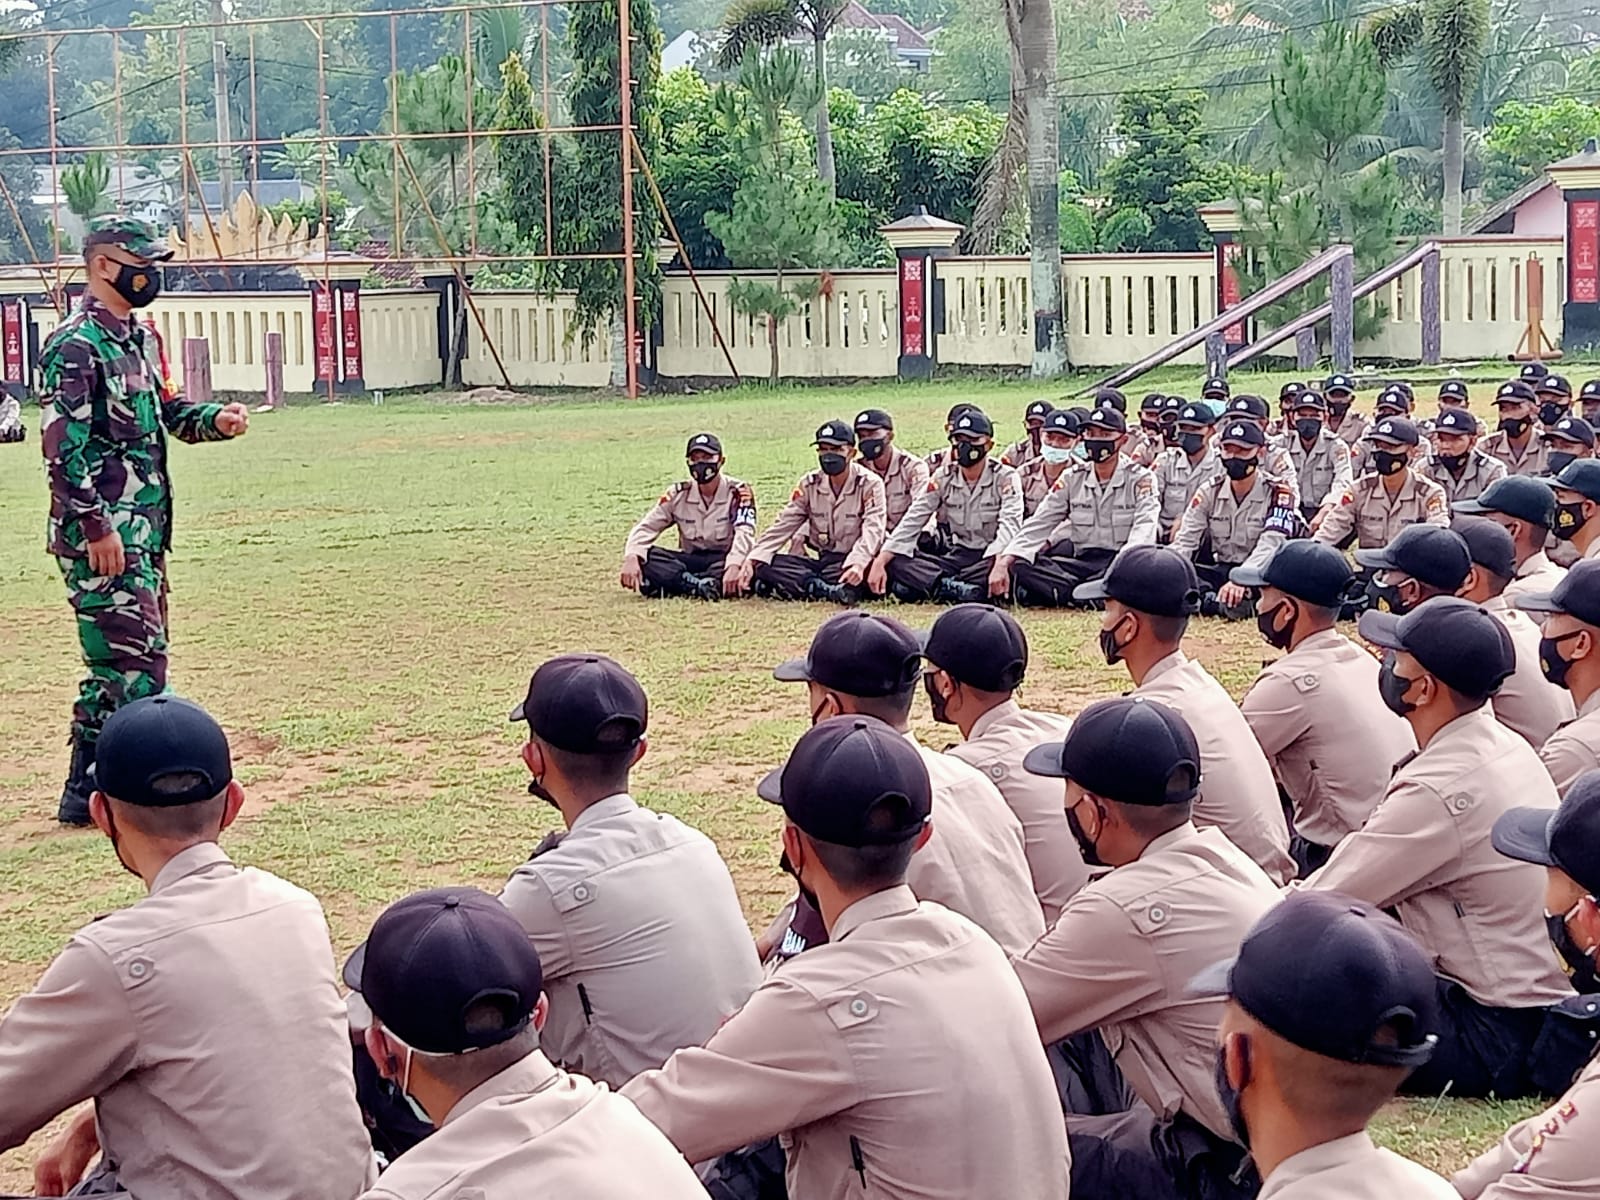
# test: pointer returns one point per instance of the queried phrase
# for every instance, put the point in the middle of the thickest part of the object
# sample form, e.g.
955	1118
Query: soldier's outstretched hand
233	420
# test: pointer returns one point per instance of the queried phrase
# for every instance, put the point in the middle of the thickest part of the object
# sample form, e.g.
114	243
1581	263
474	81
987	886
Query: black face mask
970	454
1558	460
1580	966
1338	412
872	448
1108	645
1278	639
1170	435
939	705
1550	413
1192	443
1451	462
1387	597
1231	1097
116	842
704	472
1239	468
832	464
1393	688
1098	449
536	788
1514	426
1569	519
787	868
1309	428
1091	856
139	286
1387	463
1551	664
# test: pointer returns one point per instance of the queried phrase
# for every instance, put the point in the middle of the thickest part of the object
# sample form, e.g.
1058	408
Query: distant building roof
1501	214
902	35
684	50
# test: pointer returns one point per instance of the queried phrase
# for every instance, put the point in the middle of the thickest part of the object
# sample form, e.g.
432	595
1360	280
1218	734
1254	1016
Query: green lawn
360	593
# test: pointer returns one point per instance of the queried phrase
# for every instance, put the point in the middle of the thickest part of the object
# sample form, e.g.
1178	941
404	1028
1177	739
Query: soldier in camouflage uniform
106	414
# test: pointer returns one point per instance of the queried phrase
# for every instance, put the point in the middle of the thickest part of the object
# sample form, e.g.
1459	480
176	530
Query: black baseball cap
1489	545
1148	579
1462	645
1514	391
1308	398
1340	385
1062	420
1289	391
834	433
1532	372
1453	389
1590	390
1152	402
1394	397
1571	429
1582	476
1333	975
1105	418
874	418
972	423
853	781
1567	839
1171	406
1132	750
1249	406
860	654
1577	595
1518	496
703	441
1304	569
957	409
1242	433
1554	384
1038	410
1456	420
1430	554
1110	397
161	738
585	704
1197	414
978	645
1395	430
1214	388
439	956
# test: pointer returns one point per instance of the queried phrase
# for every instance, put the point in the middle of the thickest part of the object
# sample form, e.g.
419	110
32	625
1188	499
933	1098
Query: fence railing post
273	359
1429	308
1342	278
1217	355
197	370
1305	349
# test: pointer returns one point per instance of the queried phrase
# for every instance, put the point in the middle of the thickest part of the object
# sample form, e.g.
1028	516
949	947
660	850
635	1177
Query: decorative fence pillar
918	240
1225	221
336	323
16	357
1578	177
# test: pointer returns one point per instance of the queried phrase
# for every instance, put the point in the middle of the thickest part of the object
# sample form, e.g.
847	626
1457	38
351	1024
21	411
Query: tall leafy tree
1164	171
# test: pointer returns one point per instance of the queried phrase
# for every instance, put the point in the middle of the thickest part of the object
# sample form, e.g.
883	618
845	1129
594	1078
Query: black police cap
1104	419
1397	431
708	442
1590	390
1152	402
1532	372
1571	429
1132	750
1242	433
978	645
1110	397
1214	388
1249	406
1309	398
1335	976
436	961
1393	397
1567	839
1289	391
957	409
1462	645
1514	391
853	781
858	654
1062	420
974	423
1489	545
585	704
1456	420
874	418
1148	579
834	433
1171	406
1518	496
1429	554
1577	595
1339	385
1581	476
1197	414
1037	410
148	747
1555	385
1307	570
1453	389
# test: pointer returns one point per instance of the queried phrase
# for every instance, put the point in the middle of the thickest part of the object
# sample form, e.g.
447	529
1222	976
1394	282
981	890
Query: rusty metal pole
544	56
625	161
55	160
320	32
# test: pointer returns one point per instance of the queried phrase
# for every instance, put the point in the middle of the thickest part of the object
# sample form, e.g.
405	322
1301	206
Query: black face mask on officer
1393	687
1308	428
970	454
138	285
788	868
1579	959
938	703
1514	426
1558	460
1551	411
1232	1098
1099	450
872	448
1391	597
832	463
1551	665
1239	469
1192	443
1569	519
1267	624
1452	462
1338	410
1086	847
1389	463
704	472
1110	647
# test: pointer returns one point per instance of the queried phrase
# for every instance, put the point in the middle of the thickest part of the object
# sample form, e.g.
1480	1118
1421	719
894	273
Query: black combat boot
956	591
701	587
74	808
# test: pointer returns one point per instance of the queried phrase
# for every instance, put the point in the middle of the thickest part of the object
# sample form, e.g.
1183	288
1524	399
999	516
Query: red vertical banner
11	334
322	333
1583	251
913	328
1234	334
350	332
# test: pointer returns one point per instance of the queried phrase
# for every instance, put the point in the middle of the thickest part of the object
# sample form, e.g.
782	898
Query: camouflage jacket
106	413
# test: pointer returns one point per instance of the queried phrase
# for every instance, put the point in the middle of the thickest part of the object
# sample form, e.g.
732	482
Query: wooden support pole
1217	355
274	364
1430	310
1305	349
1342	281
197	370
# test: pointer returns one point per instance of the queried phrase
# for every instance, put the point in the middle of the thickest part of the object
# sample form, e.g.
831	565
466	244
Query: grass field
360	593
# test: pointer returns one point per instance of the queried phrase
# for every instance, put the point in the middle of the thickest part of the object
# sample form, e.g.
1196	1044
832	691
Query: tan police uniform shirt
904	479
850	521
1237	792
1425	852
1352	429
983	514
1536	576
1177	480
1144	447
1376	514
1527	703
1551	1156
999	741
1121	957
1481	470
1020	452
1036	483
1353	1168
1323	470
1242	529
1332	745
1575	747
1532	459
642	940
533	1130
725	523
1096	514
205	1022
897	1061
976	862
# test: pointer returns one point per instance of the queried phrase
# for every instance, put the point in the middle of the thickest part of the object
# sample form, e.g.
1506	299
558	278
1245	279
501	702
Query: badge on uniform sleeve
1145	486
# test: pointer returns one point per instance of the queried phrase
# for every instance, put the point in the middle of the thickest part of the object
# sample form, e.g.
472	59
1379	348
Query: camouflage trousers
122	631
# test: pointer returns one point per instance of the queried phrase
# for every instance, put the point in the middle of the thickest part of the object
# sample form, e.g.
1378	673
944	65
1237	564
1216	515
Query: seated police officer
899	1058
1330	1006
1320	457
904	476
1526	509
1456	464
1119	957
1552	1156
1569	655
643	944
455	992
1311	708
204	1021
1027	449
1183	468
716	519
1425	851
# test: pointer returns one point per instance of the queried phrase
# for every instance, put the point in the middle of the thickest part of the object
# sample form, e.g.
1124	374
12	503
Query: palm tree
758	24
1449	37
85	186
1031	30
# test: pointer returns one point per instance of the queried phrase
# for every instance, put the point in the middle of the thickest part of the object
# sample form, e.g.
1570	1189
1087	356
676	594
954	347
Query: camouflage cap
130	234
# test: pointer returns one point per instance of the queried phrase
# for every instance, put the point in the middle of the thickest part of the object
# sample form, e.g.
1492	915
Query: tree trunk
1033	32
1453	139
619	351
772	335
819	66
